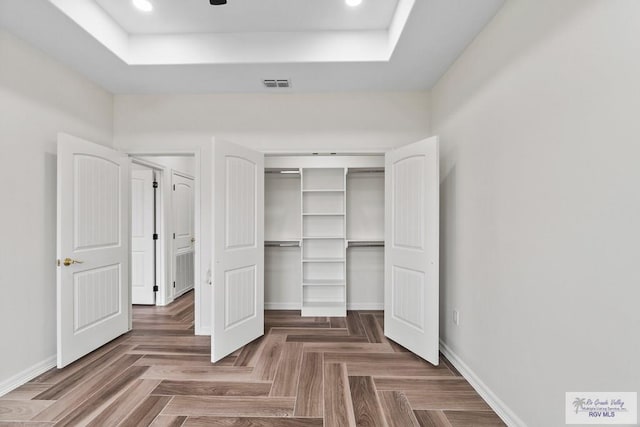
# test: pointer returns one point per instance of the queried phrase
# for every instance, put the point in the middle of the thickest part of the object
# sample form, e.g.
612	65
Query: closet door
411	247
238	249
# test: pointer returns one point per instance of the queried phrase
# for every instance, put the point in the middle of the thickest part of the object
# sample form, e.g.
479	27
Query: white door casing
184	238
142	243
93	230
412	182
238	252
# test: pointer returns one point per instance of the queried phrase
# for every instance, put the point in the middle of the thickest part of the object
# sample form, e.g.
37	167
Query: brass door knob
68	261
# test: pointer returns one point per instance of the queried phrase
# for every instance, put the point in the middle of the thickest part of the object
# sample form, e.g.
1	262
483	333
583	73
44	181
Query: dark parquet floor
303	372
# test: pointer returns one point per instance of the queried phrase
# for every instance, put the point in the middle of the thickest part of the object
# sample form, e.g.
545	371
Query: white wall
539	123
346	121
298	122
38	99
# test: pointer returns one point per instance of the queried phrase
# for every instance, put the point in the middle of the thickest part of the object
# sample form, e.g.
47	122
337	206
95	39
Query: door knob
68	261
193	239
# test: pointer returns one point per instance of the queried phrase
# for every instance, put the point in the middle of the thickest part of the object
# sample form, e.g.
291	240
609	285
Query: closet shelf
325	190
323	283
321	304
324	214
323	237
335	260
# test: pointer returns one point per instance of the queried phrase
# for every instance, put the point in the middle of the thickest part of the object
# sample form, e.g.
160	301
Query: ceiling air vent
280	83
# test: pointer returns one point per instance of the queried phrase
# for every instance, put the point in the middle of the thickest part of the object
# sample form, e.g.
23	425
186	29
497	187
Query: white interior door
93	247
142	243
238	255
183	234
412	182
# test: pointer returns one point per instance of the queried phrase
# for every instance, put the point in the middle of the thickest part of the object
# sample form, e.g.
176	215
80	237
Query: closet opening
163	228
324	233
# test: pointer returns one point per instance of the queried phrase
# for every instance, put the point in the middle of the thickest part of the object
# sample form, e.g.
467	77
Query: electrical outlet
456	317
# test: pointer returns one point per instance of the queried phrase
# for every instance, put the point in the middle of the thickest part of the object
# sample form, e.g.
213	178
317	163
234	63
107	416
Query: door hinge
155	184
174	235
174	284
155	236
174	187
155	288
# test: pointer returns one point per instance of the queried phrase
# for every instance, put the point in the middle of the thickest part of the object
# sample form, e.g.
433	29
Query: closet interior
324	233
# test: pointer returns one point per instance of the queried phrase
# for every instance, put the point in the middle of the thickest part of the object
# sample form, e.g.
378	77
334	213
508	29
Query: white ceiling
250	16
178	51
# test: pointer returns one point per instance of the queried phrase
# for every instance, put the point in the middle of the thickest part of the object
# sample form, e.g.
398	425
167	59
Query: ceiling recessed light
143	5
353	3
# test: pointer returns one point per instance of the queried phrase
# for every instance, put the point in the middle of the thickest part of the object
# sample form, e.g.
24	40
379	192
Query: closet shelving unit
323	268
324	233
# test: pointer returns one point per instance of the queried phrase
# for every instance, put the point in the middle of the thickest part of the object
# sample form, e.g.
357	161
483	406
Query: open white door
93	247
142	243
183	234
238	253
412	183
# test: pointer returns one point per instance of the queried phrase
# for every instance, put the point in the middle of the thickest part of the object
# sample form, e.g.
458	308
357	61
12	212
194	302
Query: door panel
93	227
142	243
96	202
240	208
238	287
240	292
184	237
411	253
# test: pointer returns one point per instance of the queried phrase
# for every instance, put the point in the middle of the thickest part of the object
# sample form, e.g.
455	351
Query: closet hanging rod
366	245
282	244
366	170
283	171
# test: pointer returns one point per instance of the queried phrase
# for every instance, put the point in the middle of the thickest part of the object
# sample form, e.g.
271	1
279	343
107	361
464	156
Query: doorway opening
163	232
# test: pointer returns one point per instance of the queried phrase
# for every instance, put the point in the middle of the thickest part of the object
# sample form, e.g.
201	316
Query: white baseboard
365	306
203	331
296	306
182	292
27	375
499	407
164	303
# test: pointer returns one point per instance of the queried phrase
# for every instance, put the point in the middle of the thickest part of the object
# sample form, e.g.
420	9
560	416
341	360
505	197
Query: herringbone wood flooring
303	372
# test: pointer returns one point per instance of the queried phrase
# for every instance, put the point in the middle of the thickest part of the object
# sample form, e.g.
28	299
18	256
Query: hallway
304	370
